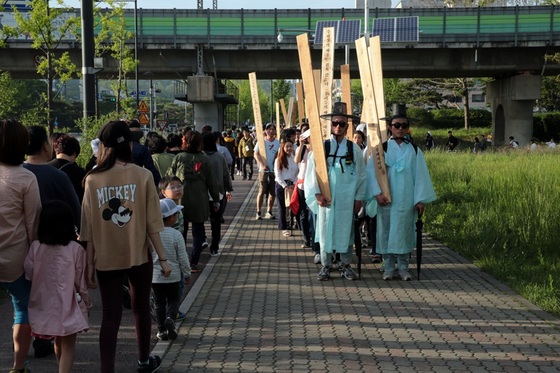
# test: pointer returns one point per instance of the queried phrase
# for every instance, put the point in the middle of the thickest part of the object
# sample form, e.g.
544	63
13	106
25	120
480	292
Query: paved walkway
259	308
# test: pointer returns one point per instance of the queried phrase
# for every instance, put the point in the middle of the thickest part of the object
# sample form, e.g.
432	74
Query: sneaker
324	274
25	370
170	327
317	259
349	274
388	275
162	335
214	252
269	216
180	316
404	274
244	178
258	217
376	259
306	244
205	245
153	364
286	233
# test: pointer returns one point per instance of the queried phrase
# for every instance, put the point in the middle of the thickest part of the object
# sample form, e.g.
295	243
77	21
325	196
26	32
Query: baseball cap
268	125
113	133
168	207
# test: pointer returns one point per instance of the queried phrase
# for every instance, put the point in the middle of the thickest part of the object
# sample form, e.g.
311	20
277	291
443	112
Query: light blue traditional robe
348	184
410	183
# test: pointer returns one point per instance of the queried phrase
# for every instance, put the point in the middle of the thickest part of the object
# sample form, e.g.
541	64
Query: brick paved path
259	308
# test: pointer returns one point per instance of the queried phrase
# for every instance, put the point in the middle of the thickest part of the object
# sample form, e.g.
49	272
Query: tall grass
501	210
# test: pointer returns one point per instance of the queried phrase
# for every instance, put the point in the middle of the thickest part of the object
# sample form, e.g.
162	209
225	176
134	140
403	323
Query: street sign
142	93
144	119
162	124
143	108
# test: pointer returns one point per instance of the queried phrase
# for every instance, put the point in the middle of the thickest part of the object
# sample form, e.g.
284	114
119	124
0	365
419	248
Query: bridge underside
165	63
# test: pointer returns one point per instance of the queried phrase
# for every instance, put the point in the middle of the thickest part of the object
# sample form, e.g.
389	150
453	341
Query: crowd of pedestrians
122	223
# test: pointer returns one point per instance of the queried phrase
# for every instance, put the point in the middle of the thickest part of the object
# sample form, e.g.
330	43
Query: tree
112	40
281	89
48	27
246	104
550	96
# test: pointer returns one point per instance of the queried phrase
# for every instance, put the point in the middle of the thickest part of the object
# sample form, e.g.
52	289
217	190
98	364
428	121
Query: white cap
169	207
305	134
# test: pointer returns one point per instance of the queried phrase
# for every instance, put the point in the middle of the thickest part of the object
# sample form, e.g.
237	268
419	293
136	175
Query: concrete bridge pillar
512	100
208	113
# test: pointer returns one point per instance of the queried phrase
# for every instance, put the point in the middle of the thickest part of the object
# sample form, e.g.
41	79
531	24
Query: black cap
114	133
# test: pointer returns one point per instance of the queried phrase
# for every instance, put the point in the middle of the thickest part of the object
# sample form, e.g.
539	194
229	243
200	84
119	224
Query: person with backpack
347	180
411	189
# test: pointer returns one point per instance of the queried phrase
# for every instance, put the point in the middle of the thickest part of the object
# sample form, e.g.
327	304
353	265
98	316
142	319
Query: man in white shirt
266	170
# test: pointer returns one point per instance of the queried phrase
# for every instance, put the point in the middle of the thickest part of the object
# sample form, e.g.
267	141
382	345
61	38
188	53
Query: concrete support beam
208	113
512	100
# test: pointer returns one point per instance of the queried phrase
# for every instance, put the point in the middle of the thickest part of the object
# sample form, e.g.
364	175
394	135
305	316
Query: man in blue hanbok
335	218
411	188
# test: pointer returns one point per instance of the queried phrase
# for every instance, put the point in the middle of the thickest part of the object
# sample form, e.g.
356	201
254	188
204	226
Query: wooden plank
325	103
317	82
312	110
300	100
347	97
284	112
291	111
278	129
374	136
377	77
257	114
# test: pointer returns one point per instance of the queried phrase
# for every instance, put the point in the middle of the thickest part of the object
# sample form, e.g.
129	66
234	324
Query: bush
449	118
546	126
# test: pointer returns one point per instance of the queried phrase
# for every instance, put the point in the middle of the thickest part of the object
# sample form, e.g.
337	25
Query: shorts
20	290
267	183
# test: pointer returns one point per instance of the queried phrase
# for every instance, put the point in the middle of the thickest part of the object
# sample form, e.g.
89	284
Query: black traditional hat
399	111
339	109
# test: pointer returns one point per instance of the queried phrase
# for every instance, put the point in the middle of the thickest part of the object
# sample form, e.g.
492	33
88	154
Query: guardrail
242	28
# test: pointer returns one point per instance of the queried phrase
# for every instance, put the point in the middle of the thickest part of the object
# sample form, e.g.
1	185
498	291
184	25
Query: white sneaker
388	275
317	259
405	275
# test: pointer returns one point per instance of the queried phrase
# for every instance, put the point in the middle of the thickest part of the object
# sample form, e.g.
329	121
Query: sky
238	4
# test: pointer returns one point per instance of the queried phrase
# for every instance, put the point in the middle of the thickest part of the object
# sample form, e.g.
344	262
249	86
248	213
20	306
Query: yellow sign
144	118
143	108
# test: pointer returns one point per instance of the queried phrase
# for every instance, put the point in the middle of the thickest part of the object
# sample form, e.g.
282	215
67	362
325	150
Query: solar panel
319	30
384	28
348	31
401	29
407	29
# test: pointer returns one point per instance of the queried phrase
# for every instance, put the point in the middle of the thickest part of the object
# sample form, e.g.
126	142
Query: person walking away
266	170
411	189
285	172
429	141
223	182
162	160
166	289
335	218
140	153
56	266
121	221
230	144
67	150
20	205
195	170
452	142
246	152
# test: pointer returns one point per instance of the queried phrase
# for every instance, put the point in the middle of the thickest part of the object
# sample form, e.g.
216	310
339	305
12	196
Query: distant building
373	4
421	4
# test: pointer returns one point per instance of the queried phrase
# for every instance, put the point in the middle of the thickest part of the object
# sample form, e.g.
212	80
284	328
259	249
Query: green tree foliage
48	27
22	99
113	40
550	95
246	104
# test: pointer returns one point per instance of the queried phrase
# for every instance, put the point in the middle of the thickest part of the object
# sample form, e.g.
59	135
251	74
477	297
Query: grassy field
501	210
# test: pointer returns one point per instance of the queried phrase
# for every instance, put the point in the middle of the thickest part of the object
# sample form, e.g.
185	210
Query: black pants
166	299
247	161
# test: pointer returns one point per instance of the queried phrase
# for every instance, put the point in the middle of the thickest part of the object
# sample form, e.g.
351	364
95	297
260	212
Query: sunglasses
340	124
398	126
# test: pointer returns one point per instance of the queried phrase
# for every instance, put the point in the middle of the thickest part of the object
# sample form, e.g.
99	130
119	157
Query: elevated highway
453	42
